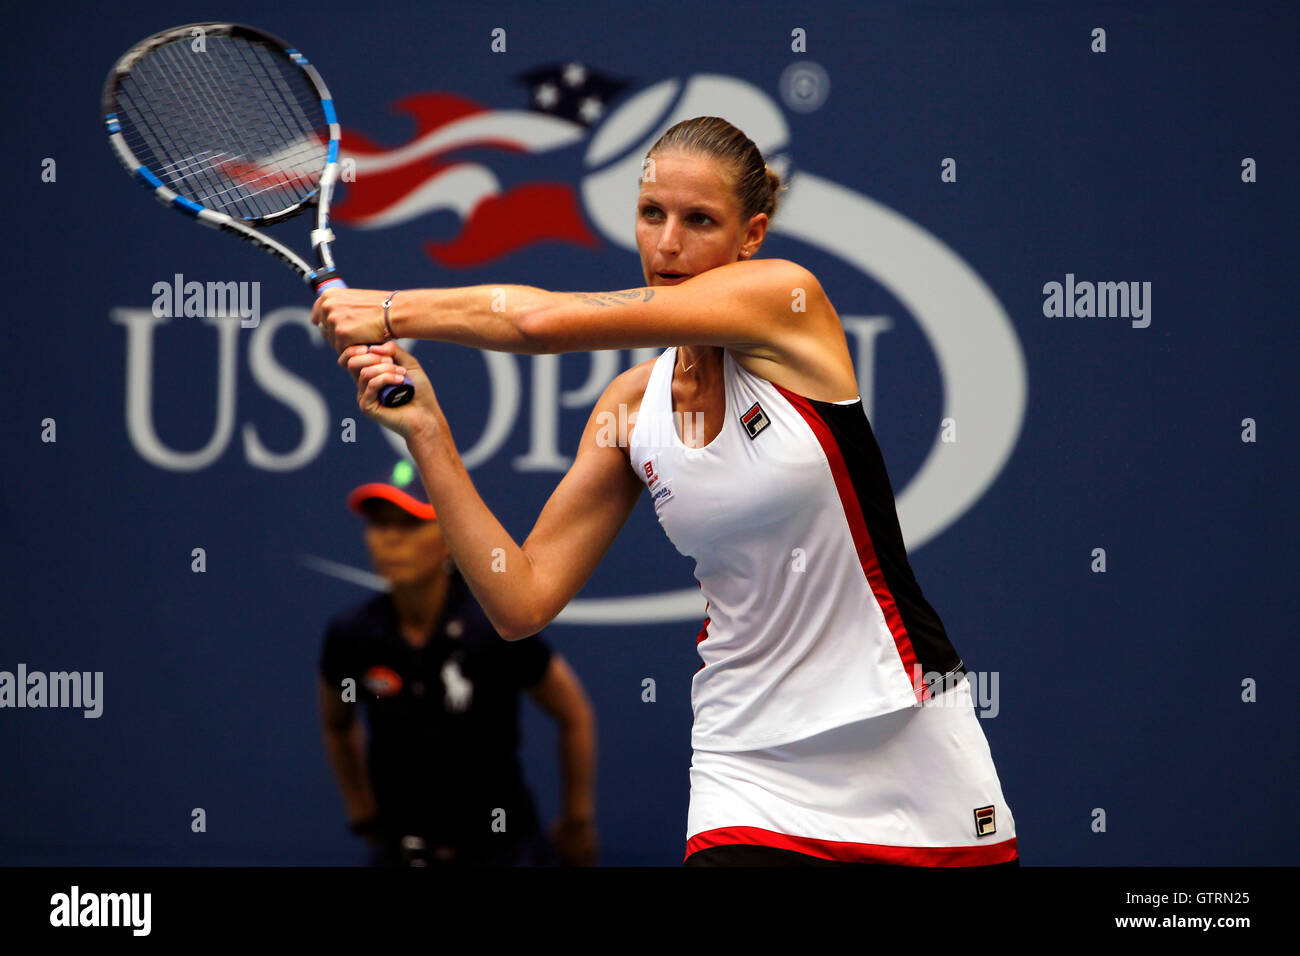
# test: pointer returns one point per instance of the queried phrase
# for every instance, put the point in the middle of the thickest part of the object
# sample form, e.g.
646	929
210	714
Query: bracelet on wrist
388	327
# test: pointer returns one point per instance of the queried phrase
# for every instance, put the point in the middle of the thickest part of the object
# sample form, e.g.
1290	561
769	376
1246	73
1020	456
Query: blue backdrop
949	161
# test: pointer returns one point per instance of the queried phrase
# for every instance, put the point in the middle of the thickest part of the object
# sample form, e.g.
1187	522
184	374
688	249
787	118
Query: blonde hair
756	183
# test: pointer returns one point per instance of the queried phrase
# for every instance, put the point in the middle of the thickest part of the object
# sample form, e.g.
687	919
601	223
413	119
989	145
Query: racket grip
390	396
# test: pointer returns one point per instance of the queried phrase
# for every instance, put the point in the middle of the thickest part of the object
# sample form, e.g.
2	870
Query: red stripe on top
704	630
982	855
861	539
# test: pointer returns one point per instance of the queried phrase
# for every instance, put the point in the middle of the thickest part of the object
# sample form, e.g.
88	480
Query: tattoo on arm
626	297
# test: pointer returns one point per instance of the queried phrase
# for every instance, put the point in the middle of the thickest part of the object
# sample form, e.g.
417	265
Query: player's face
405	550
688	219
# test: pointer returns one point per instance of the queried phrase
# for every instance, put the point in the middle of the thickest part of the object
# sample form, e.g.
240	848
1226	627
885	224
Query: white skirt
915	787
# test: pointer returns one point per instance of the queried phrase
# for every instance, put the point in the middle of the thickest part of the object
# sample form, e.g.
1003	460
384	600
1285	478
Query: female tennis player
833	720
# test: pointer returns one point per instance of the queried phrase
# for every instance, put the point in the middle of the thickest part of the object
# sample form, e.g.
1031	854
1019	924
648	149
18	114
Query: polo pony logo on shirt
754	420
459	688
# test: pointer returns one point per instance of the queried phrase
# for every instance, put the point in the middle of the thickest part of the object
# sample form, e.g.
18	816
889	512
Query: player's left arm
763	307
560	695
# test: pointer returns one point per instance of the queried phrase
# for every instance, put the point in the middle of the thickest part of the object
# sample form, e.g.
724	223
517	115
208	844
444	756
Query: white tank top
815	619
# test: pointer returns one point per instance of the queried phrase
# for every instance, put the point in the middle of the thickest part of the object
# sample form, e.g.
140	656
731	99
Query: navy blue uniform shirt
443	719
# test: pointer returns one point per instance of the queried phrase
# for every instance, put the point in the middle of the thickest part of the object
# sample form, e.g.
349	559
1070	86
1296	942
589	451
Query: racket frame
323	274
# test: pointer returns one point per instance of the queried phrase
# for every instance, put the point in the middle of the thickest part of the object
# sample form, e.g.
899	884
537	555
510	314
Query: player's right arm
521	587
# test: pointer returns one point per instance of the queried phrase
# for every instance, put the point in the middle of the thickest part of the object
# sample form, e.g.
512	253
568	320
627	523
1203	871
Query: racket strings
236	128
259	71
251	75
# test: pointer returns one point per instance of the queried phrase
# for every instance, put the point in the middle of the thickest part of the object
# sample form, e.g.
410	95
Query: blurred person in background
437	780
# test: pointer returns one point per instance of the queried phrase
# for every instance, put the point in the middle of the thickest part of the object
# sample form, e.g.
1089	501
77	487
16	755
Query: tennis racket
229	126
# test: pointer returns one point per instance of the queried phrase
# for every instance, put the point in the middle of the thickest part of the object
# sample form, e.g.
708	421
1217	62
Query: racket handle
390	396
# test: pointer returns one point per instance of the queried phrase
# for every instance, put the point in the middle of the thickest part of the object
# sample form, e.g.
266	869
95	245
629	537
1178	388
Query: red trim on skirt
981	855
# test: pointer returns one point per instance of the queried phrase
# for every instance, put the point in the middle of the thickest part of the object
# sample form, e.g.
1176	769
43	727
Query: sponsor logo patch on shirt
382	681
754	420
984	823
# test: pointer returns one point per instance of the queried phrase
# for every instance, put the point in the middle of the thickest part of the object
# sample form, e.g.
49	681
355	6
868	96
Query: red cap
410	498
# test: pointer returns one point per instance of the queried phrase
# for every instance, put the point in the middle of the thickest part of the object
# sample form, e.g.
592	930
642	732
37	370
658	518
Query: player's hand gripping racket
231	127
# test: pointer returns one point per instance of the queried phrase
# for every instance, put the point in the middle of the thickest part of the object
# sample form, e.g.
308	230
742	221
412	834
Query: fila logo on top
754	420
984	823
